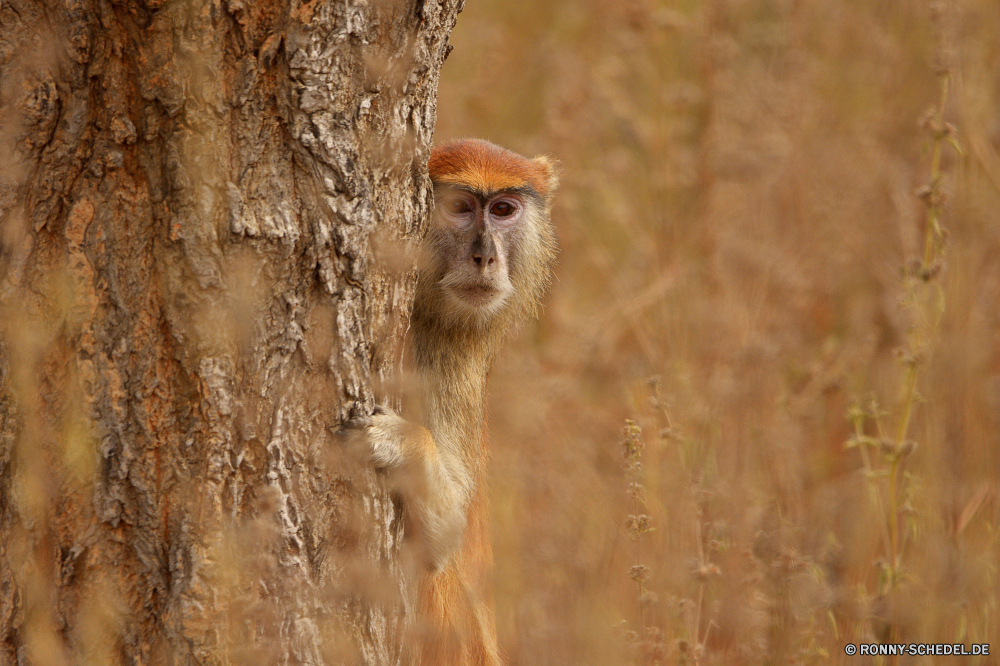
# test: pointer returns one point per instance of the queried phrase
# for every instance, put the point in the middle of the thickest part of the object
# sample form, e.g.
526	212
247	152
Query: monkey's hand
427	478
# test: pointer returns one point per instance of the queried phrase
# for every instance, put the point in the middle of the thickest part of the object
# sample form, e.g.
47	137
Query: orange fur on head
487	168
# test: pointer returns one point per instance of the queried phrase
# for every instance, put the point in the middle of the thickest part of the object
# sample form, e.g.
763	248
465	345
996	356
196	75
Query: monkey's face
471	243
487	259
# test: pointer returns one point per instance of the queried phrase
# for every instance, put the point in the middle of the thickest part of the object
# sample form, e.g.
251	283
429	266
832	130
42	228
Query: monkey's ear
549	169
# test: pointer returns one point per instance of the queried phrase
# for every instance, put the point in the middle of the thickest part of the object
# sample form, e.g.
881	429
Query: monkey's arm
427	476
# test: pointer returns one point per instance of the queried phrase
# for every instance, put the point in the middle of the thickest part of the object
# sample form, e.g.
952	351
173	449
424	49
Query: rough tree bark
207	215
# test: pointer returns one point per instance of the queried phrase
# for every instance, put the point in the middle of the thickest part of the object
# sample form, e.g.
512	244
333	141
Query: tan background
737	208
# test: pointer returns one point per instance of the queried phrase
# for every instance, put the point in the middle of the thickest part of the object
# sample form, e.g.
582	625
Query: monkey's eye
502	209
458	206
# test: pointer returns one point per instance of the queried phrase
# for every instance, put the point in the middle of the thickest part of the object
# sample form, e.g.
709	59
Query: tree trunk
208	210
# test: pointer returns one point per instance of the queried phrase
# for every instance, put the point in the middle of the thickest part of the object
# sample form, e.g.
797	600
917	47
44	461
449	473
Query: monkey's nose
478	258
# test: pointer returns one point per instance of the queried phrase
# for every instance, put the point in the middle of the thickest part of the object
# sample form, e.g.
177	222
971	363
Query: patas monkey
487	261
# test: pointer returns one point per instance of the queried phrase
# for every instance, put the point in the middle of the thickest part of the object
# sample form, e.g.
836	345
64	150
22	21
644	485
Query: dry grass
739	217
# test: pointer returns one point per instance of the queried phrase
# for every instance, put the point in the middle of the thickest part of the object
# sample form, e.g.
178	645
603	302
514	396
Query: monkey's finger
351	450
358	423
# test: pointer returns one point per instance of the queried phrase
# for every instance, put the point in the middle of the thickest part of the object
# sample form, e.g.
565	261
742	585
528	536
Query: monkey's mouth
474	295
478	294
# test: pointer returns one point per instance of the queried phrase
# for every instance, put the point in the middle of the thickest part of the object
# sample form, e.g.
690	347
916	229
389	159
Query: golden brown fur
487	263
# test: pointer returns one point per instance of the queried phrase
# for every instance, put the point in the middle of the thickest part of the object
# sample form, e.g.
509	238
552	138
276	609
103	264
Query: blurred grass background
737	208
